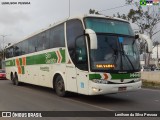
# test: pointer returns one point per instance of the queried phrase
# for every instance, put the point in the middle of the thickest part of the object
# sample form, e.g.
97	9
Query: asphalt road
34	98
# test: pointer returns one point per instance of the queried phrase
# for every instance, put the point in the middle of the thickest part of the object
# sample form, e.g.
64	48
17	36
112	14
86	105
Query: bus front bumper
101	89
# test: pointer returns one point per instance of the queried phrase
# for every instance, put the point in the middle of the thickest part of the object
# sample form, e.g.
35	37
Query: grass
150	84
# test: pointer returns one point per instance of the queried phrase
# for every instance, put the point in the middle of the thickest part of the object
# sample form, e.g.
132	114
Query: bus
89	54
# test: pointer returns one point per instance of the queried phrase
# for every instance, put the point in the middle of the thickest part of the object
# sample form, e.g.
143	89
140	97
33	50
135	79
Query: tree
145	18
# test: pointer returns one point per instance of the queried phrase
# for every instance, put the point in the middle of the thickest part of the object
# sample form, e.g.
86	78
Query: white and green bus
90	55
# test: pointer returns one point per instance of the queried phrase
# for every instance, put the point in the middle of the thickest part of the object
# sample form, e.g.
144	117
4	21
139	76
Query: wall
151	76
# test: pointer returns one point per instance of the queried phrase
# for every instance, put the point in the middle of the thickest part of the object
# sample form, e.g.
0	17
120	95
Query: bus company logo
149	2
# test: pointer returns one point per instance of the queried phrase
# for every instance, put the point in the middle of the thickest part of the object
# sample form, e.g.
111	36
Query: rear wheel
59	86
16	80
12	79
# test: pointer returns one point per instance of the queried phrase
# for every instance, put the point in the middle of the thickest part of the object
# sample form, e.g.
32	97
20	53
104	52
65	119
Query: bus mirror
93	38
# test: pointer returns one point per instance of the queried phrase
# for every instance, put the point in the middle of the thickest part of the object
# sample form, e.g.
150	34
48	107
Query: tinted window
9	52
109	26
42	41
47	39
74	29
32	44
25	47
17	49
57	36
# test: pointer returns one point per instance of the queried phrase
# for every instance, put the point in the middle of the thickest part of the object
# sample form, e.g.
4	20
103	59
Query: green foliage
146	19
150	84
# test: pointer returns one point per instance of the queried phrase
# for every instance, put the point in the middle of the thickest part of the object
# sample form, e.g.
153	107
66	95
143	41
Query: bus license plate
122	88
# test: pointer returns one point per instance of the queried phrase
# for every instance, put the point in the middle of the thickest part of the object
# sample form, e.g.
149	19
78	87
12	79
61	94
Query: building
156	52
156	55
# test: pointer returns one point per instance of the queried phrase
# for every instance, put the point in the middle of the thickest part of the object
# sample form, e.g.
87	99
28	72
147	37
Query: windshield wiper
126	56
114	50
122	54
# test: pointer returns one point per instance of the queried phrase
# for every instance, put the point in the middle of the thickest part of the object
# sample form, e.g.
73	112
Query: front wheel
16	81
60	87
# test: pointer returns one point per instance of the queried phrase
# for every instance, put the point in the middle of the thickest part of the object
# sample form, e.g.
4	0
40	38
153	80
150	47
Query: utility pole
69	8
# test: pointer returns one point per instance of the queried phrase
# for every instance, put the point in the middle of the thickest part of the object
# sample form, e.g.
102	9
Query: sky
18	21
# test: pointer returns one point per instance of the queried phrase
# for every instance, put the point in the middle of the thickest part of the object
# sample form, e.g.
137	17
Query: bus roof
79	17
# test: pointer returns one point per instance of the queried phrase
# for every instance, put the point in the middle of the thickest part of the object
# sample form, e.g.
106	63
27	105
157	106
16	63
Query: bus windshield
100	25
117	49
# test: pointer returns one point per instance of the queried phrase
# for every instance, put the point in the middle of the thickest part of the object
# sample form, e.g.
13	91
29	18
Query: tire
17	83
12	79
60	87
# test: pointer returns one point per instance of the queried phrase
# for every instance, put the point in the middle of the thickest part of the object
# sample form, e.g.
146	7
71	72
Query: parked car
157	69
144	68
2	74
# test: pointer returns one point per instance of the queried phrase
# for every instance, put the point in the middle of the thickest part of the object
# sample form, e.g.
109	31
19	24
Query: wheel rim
60	86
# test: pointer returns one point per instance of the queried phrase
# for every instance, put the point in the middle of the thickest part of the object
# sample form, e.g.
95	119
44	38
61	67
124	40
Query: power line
156	32
114	7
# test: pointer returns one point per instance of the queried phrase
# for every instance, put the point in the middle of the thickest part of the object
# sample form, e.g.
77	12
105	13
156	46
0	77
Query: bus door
71	77
82	65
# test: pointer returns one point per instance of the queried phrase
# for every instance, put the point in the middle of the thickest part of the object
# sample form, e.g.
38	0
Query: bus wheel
12	79
59	86
16	80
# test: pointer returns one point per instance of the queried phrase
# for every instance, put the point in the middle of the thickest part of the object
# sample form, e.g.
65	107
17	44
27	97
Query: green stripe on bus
125	75
45	58
94	76
63	55
115	76
23	71
10	63
20	61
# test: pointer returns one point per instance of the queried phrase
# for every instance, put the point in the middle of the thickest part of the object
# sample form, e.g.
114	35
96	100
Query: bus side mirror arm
93	38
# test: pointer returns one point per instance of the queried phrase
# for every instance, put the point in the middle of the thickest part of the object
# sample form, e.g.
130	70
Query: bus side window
17	50
57	36
32	45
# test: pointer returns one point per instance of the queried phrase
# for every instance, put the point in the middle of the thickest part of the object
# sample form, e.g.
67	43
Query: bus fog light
96	89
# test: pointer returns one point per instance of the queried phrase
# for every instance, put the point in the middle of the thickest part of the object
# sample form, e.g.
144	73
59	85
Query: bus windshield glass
100	25
117	49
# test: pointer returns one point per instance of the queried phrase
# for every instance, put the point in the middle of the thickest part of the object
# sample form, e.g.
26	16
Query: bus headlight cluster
100	81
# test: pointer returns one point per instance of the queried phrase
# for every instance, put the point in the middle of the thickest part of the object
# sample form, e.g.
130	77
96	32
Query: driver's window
81	53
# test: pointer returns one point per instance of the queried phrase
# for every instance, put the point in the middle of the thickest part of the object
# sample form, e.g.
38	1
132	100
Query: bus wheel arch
59	85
